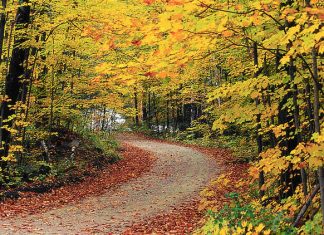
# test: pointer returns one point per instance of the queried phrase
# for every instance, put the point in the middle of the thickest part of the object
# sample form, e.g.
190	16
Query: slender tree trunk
10	39
51	120
295	101
156	114
258	120
167	115
259	143
309	108
174	127
136	109
2	27
316	93
144	109
306	205
103	123
317	126
272	122
176	115
2	31
321	181
296	121
149	111
278	57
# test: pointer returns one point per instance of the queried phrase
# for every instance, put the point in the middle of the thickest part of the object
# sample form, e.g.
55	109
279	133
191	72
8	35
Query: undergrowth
243	147
93	151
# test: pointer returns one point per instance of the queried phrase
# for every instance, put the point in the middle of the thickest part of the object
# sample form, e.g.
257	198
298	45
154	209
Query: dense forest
248	73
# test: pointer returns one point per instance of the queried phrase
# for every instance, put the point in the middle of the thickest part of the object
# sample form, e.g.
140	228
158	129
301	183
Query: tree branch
306	205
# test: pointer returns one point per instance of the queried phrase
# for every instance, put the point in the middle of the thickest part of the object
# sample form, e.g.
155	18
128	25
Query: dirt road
177	176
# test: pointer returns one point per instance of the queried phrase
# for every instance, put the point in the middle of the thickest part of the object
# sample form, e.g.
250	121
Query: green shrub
313	226
241	218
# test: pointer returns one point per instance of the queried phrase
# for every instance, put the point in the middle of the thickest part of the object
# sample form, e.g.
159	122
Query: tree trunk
174	121
2	27
51	120
296	121
16	74
316	93
306	205
309	107
258	120
103	121
156	113
136	109
167	116
317	126
321	182
144	109
149	111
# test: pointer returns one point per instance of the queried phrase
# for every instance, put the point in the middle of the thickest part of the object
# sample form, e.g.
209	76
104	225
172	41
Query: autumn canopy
210	70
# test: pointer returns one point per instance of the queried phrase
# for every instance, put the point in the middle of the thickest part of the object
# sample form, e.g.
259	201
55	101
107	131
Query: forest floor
154	189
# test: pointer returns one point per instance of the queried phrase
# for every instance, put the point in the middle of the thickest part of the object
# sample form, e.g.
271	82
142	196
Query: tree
15	90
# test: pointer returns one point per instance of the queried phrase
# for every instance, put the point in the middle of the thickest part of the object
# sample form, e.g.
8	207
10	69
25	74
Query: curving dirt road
177	176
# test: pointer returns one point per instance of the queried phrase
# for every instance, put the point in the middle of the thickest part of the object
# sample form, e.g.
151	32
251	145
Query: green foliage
101	147
104	143
313	226
10	177
35	170
240	217
242	147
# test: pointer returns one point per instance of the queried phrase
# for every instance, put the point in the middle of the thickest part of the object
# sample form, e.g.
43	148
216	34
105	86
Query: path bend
177	176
